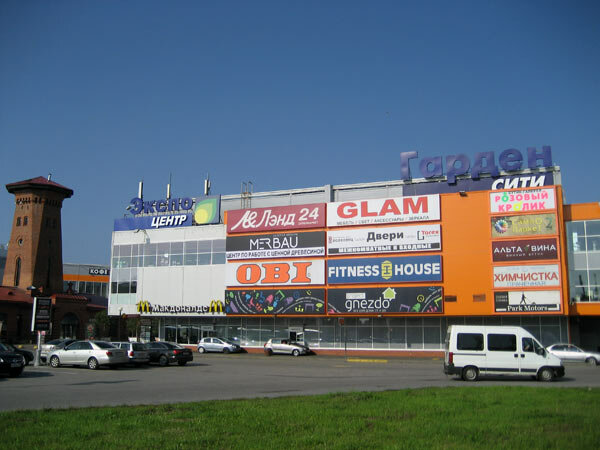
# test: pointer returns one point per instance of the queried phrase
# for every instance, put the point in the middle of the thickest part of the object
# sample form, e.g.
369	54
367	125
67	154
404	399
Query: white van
473	350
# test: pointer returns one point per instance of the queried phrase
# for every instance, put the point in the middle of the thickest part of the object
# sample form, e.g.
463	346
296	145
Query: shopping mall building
384	266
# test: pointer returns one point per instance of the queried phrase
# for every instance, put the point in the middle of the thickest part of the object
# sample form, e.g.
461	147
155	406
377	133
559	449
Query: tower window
25	220
17	271
18	221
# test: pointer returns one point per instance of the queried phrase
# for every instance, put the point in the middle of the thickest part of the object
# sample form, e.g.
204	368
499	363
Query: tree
102	323
133	326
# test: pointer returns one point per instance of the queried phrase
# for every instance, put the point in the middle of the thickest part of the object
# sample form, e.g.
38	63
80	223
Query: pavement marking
362	360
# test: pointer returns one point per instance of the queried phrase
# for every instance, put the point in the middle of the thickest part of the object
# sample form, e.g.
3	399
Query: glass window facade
388	333
583	248
127	258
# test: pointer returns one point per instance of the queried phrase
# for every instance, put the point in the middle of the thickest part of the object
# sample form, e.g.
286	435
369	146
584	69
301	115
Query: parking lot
219	376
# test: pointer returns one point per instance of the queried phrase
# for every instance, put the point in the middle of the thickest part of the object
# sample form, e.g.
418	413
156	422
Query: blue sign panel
385	270
481	184
148	222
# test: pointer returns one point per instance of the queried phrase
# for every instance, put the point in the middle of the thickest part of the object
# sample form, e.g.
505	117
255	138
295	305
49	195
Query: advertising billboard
385	300
524	225
275	301
288	245
527	301
403	239
171	213
402	269
485	183
275	273
384	210
156	222
41	315
522	201
276	218
145	307
526	276
524	250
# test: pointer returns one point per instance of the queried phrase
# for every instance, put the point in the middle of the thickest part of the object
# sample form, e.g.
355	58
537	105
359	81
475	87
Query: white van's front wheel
470	373
546	374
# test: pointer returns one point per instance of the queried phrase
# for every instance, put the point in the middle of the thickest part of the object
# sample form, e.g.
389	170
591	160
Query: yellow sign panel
523	225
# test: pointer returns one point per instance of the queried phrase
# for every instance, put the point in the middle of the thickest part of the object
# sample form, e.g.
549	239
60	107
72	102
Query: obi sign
382	211
275	273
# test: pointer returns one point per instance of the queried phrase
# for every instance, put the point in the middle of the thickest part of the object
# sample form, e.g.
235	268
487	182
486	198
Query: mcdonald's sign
144	306
215	306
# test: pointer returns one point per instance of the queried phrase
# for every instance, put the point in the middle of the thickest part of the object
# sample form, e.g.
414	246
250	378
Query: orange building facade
371	267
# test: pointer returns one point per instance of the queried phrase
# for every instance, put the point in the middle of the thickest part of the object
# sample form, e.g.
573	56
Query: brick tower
34	255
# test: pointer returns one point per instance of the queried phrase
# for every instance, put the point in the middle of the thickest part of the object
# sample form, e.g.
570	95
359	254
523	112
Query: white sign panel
522	201
418	208
412	238
276	273
527	301
526	276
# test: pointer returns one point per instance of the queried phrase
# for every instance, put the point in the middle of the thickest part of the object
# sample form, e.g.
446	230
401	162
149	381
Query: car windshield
4	348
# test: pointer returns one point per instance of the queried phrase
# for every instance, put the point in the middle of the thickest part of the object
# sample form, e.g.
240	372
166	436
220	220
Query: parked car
92	354
286	346
10	362
215	344
52	345
570	352
168	352
21	351
137	352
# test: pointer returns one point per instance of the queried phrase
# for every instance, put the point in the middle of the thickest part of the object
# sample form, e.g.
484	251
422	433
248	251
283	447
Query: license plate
15	364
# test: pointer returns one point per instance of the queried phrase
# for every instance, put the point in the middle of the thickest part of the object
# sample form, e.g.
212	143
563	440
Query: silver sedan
570	352
92	354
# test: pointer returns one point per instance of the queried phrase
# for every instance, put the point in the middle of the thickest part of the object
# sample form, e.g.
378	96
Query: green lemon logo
205	211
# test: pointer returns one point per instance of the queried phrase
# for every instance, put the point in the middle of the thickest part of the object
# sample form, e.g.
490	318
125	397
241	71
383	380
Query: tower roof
39	183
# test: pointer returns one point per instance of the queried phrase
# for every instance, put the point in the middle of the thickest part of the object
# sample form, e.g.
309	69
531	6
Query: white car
286	346
92	354
214	344
570	352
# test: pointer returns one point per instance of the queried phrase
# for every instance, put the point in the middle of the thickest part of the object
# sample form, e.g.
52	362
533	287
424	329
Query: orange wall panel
466	253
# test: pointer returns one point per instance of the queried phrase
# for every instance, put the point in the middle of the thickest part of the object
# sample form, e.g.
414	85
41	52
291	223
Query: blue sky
285	94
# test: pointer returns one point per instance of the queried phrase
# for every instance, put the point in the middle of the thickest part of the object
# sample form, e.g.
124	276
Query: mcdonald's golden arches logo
144	306
216	306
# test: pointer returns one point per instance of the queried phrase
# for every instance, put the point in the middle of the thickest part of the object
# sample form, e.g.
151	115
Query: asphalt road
218	377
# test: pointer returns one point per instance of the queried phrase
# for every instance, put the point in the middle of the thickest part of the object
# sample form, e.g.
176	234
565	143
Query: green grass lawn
471	417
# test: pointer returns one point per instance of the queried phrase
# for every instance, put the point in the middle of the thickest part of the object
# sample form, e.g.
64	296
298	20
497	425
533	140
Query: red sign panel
524	250
276	218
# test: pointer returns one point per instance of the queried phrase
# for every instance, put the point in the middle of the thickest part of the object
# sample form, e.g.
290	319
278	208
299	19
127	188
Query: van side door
531	356
502	357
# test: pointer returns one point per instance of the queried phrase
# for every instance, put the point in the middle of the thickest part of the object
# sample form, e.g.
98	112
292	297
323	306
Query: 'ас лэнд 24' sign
276	218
